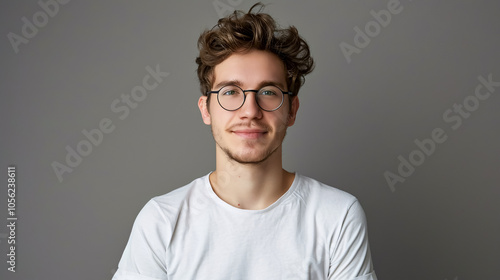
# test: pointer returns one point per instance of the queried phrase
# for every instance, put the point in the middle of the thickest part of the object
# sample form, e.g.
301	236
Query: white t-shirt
313	231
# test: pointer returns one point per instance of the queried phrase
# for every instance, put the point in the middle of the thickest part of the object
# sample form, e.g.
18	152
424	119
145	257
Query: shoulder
334	207
166	208
178	195
323	195
340	212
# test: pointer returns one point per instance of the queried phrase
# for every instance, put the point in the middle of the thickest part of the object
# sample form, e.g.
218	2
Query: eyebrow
239	83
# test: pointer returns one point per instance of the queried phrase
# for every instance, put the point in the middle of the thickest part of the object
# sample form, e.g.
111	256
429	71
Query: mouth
250	133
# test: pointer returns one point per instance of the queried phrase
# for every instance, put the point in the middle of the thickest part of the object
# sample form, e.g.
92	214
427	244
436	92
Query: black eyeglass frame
245	97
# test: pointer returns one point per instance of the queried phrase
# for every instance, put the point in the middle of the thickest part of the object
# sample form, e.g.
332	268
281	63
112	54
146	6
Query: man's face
249	135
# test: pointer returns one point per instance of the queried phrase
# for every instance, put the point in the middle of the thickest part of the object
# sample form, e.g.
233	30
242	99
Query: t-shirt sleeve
144	255
350	257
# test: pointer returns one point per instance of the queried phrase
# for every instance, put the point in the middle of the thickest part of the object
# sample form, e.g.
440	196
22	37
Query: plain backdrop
371	97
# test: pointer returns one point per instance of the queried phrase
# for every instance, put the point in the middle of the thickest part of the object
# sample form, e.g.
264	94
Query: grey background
355	119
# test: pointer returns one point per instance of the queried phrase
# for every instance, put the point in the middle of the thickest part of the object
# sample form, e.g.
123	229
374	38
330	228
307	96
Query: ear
293	111
203	106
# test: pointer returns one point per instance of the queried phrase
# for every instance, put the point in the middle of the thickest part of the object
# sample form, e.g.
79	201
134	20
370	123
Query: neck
250	186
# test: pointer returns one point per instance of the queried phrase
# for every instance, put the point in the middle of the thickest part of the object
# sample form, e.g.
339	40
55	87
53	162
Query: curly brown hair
241	32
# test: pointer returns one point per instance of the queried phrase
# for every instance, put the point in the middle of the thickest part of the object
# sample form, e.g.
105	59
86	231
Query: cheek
284	114
219	118
280	122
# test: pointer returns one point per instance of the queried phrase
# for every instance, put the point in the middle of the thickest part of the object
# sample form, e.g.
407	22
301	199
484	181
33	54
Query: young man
250	218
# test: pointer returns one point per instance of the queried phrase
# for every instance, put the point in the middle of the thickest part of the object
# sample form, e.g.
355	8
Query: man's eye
268	92
229	92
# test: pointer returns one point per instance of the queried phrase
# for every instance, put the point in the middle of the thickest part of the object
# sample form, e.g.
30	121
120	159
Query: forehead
250	69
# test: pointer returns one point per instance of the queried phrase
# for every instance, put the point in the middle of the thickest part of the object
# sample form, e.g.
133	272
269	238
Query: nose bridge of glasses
255	98
251	90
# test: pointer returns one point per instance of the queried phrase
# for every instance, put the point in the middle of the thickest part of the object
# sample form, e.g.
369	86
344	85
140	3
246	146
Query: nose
250	108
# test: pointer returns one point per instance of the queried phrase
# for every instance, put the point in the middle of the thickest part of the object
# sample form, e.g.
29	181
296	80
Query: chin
251	157
248	160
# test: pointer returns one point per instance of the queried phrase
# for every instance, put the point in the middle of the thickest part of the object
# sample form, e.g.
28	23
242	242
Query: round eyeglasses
232	97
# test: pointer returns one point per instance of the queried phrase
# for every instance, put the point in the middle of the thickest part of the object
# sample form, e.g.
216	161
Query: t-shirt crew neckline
219	201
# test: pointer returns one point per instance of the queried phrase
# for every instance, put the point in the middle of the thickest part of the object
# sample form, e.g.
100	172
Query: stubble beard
241	160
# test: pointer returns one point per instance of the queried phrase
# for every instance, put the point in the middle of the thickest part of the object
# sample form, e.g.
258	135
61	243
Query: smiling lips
250	133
